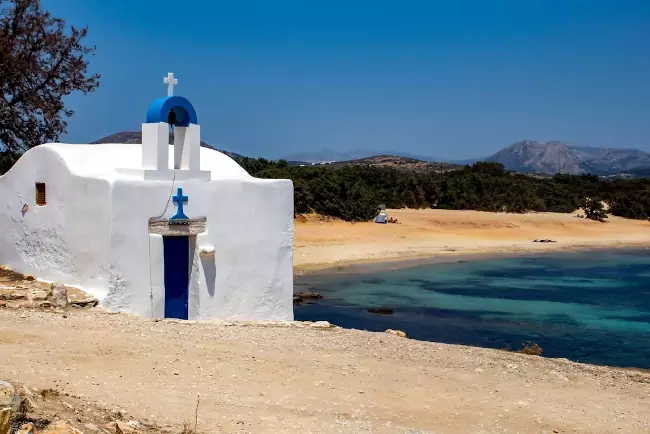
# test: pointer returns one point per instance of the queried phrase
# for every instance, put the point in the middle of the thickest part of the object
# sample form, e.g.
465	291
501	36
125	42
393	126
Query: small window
40	193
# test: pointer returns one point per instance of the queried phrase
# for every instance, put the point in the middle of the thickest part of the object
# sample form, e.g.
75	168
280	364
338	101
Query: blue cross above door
179	200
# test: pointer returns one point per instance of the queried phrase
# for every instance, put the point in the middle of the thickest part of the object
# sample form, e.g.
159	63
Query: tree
594	210
41	61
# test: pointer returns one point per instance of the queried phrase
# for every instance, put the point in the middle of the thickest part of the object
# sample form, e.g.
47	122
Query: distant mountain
556	157
531	156
136	137
527	156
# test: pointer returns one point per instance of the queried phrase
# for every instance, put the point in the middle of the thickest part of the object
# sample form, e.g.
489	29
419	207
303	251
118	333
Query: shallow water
591	306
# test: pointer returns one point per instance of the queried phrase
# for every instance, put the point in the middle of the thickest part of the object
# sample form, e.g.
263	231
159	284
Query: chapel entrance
176	255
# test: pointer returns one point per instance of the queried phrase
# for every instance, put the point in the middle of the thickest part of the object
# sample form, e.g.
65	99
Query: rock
91	427
39	295
544	241
30	278
61	427
297	300
28	403
9	398
134	424
321	325
59	295
396	333
27	428
24	392
381	310
86	302
308	295
3	303
120	427
12	294
5	420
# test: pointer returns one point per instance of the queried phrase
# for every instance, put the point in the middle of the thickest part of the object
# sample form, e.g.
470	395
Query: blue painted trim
159	110
179	200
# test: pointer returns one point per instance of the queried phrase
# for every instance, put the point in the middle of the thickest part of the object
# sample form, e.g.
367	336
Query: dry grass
531	348
48	393
187	428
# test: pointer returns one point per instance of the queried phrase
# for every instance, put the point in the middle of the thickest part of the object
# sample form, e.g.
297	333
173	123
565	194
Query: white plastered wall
65	240
249	224
94	232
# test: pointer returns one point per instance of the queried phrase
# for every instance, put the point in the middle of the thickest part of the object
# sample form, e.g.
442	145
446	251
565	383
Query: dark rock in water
86	302
381	310
374	280
308	295
297	300
544	241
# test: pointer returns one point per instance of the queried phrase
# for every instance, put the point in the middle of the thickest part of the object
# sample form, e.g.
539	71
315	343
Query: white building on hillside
156	230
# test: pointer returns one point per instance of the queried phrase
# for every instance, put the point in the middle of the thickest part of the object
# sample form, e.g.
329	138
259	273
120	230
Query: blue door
176	251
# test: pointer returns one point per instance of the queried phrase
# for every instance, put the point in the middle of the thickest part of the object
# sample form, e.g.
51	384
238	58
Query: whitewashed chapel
155	229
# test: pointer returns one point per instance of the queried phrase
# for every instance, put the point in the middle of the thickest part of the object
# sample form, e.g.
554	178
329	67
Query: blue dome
159	110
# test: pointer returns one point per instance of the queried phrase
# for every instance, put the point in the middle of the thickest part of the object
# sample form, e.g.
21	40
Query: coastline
374	264
442	235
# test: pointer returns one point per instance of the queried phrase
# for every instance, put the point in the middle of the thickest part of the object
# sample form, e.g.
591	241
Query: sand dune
422	233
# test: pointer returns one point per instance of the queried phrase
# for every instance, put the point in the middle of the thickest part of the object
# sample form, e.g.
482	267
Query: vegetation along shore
352	193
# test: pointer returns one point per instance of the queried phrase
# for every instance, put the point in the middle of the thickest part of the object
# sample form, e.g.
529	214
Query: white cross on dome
170	81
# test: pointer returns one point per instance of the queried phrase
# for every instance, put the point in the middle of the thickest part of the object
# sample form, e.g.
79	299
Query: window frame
40	190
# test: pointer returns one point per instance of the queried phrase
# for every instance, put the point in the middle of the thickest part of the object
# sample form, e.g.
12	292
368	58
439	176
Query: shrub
531	348
594	210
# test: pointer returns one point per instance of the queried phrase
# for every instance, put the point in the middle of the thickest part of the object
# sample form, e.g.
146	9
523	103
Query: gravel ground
294	378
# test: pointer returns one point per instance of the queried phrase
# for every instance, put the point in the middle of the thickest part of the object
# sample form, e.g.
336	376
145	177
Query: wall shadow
210	271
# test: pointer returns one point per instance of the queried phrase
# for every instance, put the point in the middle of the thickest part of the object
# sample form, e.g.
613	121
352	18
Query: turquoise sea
589	306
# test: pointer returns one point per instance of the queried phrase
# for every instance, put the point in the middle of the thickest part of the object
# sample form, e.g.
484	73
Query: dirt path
299	379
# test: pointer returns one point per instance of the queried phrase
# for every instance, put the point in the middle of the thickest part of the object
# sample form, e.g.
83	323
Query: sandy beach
321	243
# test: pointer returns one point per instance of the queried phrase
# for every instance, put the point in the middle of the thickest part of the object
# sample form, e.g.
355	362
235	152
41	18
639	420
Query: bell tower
187	138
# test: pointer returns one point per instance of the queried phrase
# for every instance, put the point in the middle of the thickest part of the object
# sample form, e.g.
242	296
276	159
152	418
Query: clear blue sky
454	78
